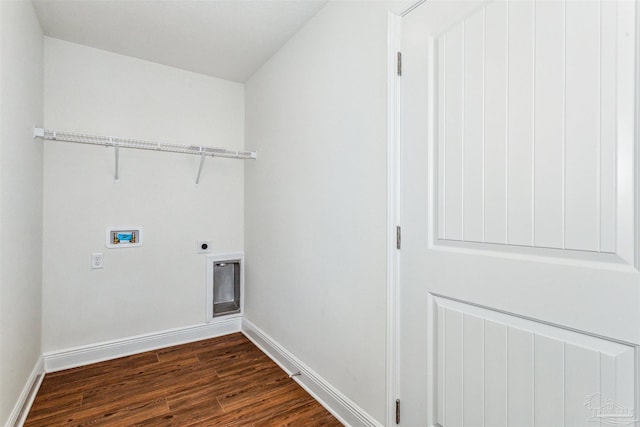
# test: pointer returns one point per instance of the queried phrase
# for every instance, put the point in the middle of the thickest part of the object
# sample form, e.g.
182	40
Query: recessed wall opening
225	285
226	288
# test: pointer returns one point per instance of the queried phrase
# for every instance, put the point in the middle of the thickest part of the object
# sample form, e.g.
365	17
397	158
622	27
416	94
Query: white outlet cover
97	260
199	248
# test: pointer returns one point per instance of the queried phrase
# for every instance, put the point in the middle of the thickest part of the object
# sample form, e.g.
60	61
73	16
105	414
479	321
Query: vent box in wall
225	283
124	237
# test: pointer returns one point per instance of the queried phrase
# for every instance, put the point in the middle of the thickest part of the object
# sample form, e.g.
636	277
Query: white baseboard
21	409
346	411
79	356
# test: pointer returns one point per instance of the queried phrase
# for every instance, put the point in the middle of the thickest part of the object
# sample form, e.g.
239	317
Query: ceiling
229	39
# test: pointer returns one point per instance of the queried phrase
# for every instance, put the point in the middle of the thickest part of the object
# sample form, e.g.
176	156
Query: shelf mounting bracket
202	156
116	146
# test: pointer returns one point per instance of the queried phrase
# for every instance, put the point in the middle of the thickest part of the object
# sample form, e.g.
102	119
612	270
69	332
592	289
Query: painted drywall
160	285
315	221
21	89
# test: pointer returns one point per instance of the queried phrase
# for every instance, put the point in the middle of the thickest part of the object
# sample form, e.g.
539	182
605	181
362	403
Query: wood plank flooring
225	381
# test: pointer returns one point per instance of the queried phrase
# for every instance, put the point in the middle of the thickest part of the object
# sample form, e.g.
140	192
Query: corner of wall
21	107
315	201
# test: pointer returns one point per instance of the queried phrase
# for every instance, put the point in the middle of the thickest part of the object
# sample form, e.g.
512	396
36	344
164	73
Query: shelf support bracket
202	156
38	132
116	147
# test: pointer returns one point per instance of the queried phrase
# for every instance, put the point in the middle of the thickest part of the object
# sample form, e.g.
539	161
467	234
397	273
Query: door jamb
393	216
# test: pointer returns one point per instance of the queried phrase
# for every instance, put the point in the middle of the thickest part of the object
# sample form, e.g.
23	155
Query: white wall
21	50
160	285
315	221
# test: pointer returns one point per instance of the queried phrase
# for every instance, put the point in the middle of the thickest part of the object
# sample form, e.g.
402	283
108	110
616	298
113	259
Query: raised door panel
534	126
496	369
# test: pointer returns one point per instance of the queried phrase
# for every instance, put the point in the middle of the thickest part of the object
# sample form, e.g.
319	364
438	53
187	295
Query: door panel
519	293
494	354
490	71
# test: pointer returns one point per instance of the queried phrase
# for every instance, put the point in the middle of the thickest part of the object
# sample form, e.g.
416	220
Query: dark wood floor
225	381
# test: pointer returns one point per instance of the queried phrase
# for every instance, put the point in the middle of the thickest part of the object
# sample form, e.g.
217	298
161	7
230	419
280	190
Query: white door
518	291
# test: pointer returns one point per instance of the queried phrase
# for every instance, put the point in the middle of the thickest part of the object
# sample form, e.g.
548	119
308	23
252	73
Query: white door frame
394	198
394	194
393	212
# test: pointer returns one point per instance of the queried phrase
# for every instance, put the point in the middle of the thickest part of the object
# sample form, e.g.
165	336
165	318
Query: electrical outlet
204	247
97	260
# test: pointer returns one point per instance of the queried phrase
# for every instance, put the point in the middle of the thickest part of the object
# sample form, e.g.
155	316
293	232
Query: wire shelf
118	142
112	141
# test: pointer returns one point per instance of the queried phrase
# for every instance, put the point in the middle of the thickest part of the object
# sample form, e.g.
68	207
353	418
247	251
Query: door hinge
398	237
399	63
397	411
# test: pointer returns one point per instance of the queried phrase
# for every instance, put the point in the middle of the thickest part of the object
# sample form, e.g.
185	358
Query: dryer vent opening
226	287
